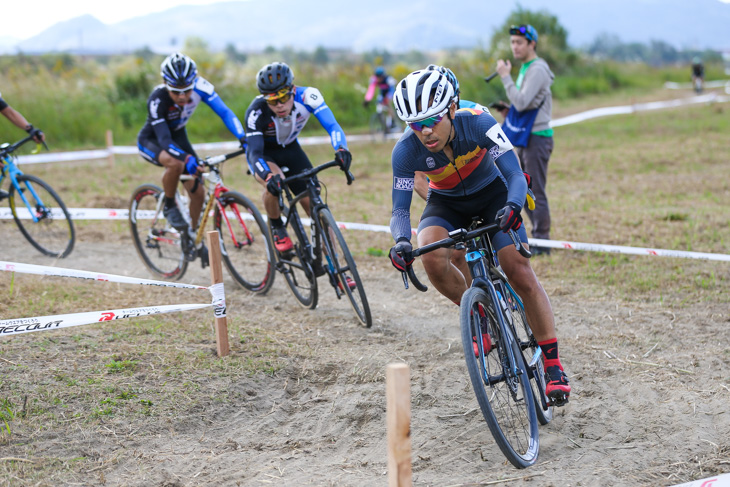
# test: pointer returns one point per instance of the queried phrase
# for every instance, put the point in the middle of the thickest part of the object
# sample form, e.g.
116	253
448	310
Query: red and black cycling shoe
282	242
486	338
350	283
486	344
557	388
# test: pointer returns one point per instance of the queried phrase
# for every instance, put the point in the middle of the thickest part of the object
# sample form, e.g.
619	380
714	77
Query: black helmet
274	77
178	70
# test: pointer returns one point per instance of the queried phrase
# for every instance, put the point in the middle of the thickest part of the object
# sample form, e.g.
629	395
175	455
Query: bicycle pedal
558	400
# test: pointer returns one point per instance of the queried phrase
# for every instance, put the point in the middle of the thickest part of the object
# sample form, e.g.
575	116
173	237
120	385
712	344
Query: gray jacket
535	88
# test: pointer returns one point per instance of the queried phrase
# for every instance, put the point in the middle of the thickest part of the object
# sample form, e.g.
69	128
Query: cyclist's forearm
15	117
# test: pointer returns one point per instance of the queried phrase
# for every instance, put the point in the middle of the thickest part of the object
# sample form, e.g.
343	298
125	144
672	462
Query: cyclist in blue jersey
421	180
163	140
473	171
274	120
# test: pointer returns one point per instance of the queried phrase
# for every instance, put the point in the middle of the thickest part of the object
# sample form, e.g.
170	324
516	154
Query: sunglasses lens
429	122
183	89
279	99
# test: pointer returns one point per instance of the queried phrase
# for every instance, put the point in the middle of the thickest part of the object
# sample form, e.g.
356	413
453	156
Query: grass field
655	179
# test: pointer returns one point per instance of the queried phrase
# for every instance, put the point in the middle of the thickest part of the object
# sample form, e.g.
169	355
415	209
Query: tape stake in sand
398	421
219	296
54	322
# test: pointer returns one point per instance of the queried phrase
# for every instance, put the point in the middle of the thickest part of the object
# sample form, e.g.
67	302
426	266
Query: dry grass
655	179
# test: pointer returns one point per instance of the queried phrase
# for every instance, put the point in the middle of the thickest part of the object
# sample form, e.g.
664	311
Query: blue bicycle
37	209
506	365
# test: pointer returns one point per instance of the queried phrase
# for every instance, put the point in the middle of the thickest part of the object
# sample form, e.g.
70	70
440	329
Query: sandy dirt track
649	405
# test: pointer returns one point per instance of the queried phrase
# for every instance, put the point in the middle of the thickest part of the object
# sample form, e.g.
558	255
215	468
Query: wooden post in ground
216	275
398	415
109	147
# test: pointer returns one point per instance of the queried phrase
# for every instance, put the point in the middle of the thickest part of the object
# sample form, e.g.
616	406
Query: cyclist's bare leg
525	283
196	200
447	278
271	202
173	170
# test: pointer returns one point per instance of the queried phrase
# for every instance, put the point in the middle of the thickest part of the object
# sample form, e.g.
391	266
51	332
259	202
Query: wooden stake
216	277
109	147
398	413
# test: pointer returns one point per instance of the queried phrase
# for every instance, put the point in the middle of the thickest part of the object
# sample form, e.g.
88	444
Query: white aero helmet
422	94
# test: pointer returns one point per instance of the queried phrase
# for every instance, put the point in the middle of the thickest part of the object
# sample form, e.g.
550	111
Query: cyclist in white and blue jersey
163	140
274	120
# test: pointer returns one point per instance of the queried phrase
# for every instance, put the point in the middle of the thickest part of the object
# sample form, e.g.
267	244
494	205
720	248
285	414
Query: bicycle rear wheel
500	385
341	266
297	267
531	353
52	232
157	243
245	245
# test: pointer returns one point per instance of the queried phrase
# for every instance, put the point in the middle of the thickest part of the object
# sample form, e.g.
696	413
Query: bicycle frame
313	247
486	274
214	189
12	171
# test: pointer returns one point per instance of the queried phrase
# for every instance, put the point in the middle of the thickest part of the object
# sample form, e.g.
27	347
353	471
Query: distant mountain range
395	25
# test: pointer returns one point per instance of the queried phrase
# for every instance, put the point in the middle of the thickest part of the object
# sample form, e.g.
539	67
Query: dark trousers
534	160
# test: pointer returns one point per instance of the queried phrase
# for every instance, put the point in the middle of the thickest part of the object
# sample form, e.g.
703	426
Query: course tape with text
26	325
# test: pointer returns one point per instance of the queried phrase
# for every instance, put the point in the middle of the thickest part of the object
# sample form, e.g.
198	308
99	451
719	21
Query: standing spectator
527	123
698	74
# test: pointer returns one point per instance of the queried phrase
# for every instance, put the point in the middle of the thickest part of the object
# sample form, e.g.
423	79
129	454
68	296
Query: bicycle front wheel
42	217
245	246
296	265
532	355
156	241
499	377
341	266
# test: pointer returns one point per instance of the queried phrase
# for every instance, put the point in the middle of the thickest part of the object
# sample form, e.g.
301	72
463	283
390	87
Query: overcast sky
24	20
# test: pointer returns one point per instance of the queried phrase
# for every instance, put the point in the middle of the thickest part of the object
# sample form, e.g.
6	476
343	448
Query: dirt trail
649	405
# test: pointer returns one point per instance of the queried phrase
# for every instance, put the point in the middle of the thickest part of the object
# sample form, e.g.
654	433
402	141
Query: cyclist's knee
170	162
436	263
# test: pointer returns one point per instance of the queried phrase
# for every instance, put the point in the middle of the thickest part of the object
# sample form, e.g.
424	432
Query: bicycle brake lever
405	279
350	177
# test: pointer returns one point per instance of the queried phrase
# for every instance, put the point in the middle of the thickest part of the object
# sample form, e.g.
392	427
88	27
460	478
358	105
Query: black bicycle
507	358
37	209
326	253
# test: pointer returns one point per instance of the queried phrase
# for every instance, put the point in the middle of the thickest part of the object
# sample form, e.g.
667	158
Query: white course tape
717	481
626	109
671	85
98	214
219	300
210	146
95	276
619	249
54	322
